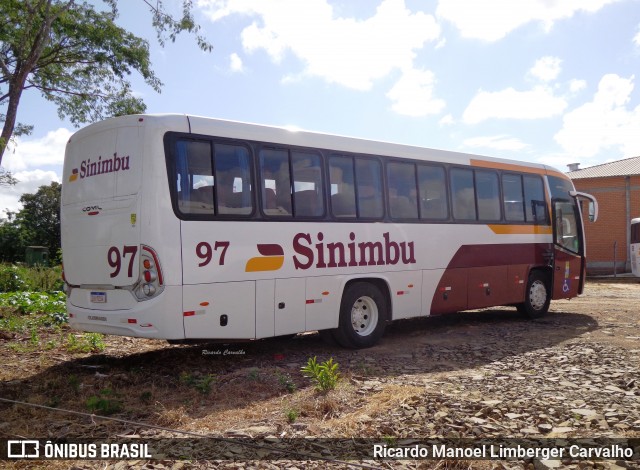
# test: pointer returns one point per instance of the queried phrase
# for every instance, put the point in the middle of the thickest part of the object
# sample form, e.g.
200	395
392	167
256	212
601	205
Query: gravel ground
486	374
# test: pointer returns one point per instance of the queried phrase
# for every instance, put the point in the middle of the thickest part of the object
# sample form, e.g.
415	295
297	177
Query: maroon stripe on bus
469	256
270	250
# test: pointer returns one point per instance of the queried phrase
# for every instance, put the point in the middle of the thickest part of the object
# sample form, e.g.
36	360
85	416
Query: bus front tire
363	316
537	296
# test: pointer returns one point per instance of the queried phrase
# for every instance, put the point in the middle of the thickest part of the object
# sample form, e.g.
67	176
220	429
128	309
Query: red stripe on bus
270	250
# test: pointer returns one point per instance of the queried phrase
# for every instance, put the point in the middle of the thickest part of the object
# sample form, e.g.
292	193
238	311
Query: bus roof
303	138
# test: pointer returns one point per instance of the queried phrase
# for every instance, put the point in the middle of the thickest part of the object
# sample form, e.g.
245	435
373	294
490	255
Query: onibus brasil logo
89	168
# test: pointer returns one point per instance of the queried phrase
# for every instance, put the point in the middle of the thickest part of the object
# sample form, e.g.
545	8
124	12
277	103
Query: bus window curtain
183	185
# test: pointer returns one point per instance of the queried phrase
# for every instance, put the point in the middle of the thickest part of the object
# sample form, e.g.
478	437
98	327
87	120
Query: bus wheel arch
538	293
365	309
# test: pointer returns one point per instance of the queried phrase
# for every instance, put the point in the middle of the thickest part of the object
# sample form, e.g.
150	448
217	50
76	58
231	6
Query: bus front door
568	249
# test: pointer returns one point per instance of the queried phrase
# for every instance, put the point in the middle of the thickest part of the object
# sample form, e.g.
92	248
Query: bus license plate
98	297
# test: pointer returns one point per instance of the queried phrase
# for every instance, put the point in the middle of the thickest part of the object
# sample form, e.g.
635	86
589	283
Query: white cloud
512	104
348	51
546	68
576	86
447	120
29	182
412	95
32	153
235	63
636	38
491	20
603	123
498	142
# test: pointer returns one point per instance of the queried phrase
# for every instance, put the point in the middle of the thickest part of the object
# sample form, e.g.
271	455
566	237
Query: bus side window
403	202
275	182
462	194
194	177
535	205
341	180
433	192
308	193
488	195
369	185
512	198
233	180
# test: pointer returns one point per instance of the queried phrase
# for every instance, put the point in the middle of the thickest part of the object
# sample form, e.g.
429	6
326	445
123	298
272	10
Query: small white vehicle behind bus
188	228
634	247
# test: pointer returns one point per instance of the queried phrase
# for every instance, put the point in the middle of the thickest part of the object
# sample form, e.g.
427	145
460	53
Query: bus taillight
151	282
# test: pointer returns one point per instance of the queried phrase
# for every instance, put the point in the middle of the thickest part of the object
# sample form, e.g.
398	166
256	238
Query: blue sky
549	81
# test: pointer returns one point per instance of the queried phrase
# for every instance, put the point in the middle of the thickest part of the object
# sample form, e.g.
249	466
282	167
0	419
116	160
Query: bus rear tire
537	296
363	316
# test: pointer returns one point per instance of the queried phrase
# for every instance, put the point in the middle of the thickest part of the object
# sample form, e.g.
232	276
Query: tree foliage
36	224
77	57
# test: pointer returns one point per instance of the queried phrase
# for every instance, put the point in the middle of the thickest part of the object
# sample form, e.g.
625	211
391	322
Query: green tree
7	179
77	57
39	217
12	244
37	223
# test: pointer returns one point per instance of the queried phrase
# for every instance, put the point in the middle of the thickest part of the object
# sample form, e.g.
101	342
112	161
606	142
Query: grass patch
104	403
201	383
85	343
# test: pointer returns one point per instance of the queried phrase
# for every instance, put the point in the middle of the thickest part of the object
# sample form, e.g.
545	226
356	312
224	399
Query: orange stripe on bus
521	229
269	263
516	167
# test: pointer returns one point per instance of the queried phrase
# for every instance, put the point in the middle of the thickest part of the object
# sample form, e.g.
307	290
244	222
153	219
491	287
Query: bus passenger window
512	198
462	194
488	195
433	192
343	196
233	180
403	196
275	182
194	177
308	196
535	204
369	182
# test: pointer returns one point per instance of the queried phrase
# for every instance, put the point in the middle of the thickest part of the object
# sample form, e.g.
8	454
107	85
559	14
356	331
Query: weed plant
325	375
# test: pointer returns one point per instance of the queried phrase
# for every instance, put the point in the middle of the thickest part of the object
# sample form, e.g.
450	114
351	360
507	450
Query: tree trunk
15	92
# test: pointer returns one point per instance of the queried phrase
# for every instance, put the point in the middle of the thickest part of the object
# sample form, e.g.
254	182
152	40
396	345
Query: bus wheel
537	296
363	316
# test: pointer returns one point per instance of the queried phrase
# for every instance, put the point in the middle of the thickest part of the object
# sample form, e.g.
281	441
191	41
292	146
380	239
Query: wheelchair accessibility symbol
565	286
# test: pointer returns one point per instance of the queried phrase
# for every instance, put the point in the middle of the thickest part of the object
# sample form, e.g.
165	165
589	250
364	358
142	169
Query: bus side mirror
592	212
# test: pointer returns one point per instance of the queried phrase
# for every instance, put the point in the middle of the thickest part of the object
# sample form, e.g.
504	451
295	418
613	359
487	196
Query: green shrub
324	375
38	278
22	311
35	302
11	279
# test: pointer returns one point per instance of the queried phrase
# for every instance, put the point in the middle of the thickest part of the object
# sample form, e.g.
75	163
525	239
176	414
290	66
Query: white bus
189	228
635	247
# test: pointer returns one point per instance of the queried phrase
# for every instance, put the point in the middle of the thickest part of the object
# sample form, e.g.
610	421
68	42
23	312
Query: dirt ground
480	374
